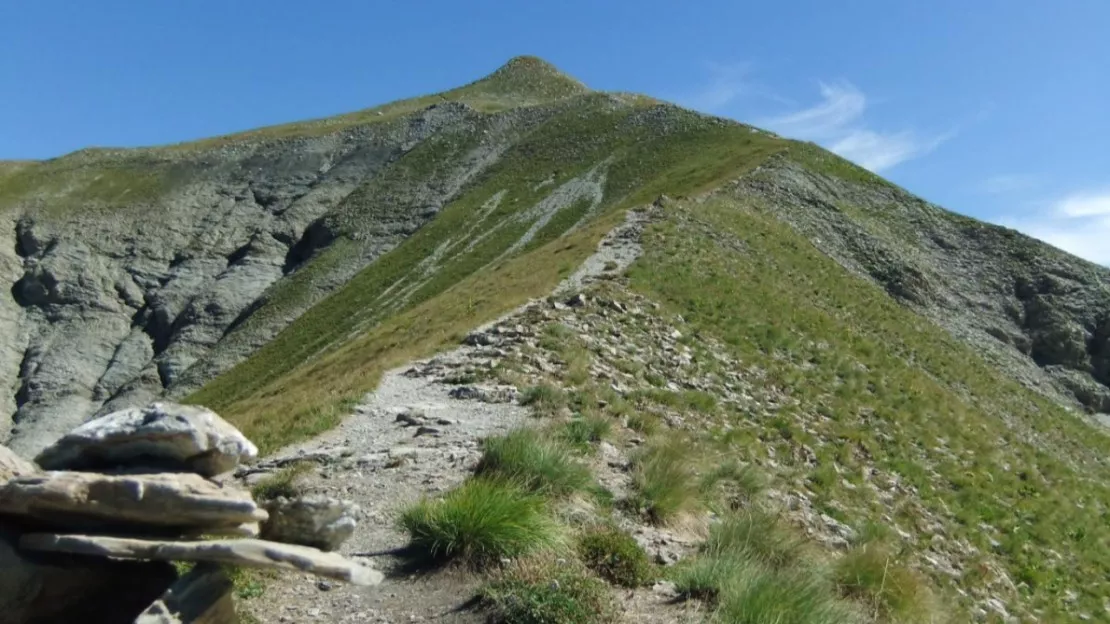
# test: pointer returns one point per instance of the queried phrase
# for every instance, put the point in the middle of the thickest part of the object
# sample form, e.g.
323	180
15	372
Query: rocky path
417	435
409	439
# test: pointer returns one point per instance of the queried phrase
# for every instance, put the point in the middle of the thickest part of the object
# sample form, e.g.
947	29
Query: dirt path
414	436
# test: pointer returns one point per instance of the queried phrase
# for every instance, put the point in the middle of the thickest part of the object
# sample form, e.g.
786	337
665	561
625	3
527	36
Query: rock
243	552
169	435
577	301
89	501
203	596
318	521
45	588
411	418
12	465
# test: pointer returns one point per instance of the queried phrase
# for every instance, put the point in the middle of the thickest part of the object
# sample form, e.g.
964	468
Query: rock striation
135	485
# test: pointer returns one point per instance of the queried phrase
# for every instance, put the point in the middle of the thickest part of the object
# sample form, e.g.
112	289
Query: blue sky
996	109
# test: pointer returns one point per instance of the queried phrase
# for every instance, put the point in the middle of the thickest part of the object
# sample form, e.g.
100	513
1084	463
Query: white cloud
841	104
1085	204
727	84
837	123
1078	223
1007	183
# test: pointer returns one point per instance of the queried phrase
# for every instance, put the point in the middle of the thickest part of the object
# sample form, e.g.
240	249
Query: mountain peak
527	77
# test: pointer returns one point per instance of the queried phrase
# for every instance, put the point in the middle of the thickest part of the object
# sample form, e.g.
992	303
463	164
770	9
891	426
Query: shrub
581	432
616	557
664	481
539	464
541	591
888	590
479	521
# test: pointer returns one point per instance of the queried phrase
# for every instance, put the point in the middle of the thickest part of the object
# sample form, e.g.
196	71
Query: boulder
165	436
203	596
318	521
242	552
89	501
45	588
12	465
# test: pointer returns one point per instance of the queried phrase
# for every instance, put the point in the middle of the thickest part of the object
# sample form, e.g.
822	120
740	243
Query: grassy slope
288	390
874	383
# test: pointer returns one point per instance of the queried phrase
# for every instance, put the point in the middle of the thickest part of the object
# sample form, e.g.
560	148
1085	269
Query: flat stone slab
162	435
90	501
243	552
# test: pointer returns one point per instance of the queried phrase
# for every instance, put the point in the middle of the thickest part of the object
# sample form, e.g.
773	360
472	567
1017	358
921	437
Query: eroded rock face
43	588
317	521
89	501
164	435
244	552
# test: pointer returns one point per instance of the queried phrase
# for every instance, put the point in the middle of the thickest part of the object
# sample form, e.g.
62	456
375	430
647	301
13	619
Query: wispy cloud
727	84
1078	223
837	122
1008	183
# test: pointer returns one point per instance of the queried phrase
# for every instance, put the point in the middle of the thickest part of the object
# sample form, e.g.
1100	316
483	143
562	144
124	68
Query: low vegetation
535	462
543	590
615	556
480	522
665	481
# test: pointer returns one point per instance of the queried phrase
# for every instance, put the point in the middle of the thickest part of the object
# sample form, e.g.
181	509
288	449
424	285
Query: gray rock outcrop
165	435
318	521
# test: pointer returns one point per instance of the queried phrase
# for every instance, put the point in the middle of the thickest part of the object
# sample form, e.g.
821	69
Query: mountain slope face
275	274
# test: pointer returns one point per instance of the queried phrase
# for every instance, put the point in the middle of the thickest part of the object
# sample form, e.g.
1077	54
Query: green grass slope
464	267
876	391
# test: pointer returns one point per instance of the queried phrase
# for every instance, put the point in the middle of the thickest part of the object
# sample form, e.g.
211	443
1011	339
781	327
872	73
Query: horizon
943	111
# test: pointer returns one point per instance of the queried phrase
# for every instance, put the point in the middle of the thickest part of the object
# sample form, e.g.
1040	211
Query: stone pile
89	532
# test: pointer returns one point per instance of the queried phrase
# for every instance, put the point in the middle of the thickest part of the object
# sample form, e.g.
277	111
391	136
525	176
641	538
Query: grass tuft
581	432
889	591
616	557
535	462
480	521
762	596
281	483
756	536
664	481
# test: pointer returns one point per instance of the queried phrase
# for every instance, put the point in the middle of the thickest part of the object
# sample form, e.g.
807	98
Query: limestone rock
243	552
12	465
89	501
162	434
46	588
318	521
203	596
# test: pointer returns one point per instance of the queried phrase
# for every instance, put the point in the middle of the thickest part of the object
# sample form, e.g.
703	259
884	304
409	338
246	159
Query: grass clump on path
616	557
546	591
480	521
537	463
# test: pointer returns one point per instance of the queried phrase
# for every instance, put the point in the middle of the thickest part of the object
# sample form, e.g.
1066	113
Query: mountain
275	274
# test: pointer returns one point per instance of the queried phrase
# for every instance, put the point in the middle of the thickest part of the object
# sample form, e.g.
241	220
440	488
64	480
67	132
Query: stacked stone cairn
89	531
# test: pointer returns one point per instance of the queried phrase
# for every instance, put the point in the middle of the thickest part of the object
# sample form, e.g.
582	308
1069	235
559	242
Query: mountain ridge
275	274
